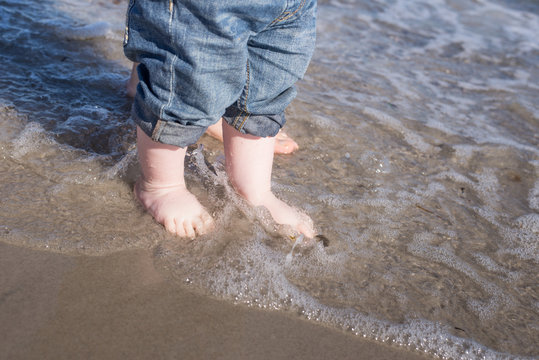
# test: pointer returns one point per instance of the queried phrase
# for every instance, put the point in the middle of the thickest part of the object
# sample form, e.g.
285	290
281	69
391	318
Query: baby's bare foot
284	214
175	208
161	188
248	165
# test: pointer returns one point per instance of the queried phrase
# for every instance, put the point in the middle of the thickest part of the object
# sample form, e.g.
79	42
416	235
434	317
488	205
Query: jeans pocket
127	14
293	8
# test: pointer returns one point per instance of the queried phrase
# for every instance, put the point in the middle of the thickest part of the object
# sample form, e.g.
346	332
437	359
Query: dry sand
54	306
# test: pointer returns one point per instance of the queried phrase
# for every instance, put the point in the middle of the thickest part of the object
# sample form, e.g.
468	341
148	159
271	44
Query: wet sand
56	306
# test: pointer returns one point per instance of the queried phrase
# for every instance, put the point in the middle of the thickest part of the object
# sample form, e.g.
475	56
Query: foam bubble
488	186
529	222
492	266
455	176
522	242
12	124
375	163
336	201
31	138
464	152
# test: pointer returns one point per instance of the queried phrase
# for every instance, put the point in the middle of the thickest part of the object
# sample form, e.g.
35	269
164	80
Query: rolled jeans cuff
256	125
169	132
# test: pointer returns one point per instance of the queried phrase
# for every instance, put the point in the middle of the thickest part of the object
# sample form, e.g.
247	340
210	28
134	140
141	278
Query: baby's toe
208	221
170	225
306	229
188	229
198	226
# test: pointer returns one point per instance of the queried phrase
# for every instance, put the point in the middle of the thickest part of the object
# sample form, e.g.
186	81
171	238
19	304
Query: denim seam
156	131
236	120
248	81
245	117
288	14
126	33
244	113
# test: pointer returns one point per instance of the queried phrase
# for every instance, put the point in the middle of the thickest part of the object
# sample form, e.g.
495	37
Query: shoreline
55	306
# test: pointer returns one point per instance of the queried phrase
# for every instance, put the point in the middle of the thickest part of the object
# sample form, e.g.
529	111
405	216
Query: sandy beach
119	306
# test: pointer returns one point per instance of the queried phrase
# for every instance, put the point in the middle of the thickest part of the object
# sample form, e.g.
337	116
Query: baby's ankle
256	198
149	186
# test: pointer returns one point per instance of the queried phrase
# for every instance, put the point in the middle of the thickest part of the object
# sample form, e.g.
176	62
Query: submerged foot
284	214
175	208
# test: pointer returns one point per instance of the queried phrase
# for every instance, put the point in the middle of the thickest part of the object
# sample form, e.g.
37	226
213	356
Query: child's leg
249	161
161	189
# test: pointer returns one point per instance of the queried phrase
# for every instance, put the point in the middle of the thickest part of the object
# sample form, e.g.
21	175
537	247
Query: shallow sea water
419	129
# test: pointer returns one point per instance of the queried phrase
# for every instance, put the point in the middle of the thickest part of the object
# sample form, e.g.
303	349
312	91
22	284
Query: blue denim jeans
202	60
